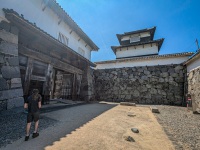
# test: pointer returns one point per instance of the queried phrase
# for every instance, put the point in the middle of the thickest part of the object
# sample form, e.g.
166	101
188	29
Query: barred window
62	38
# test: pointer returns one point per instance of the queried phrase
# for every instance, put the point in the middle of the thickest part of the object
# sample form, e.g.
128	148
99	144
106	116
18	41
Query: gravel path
13	125
181	126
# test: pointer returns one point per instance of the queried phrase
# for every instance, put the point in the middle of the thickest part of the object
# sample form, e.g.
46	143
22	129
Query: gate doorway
34	84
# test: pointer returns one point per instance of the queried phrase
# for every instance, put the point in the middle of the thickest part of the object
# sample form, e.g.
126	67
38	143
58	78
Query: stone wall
11	93
194	88
144	85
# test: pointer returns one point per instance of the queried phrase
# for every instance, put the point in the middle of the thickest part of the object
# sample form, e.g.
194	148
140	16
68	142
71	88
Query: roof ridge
148	57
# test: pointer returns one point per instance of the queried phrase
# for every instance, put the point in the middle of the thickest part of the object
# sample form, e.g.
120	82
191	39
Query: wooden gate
67	86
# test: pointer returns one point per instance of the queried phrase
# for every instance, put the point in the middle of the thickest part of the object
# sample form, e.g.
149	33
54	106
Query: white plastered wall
142	62
46	20
139	50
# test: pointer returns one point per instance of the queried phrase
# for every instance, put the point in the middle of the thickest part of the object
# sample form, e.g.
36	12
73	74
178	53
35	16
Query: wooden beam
38	78
59	21
45	4
28	74
48	83
74	87
50	60
22	67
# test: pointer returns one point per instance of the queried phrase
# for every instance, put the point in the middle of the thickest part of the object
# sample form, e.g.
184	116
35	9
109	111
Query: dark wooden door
34	84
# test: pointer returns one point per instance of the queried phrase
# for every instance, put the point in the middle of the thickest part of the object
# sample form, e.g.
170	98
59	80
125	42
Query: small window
134	39
81	51
62	38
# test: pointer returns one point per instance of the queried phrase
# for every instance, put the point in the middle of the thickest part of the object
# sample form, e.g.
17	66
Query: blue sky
178	21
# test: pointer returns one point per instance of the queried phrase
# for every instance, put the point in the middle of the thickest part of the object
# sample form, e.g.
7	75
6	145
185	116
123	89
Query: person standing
33	103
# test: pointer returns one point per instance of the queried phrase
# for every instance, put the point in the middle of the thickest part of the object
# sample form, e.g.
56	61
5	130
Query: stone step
127	104
154	109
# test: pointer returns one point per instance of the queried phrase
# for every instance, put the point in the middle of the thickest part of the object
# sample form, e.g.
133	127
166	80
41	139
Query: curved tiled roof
152	31
147	57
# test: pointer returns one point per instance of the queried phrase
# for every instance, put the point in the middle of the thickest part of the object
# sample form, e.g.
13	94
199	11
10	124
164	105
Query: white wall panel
143	62
46	20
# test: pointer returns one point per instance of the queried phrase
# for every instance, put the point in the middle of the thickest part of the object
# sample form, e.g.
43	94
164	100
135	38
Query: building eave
151	30
146	58
159	42
68	20
13	16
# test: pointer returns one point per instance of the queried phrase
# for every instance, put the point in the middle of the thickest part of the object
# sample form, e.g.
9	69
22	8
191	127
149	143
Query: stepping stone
127	104
135	130
129	139
131	115
154	109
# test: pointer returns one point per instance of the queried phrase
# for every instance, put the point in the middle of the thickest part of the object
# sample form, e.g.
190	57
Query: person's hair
35	94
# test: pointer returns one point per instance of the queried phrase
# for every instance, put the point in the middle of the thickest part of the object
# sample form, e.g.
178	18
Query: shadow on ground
53	125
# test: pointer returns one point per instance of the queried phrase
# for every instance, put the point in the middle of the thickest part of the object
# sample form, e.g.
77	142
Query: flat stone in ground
135	130
129	139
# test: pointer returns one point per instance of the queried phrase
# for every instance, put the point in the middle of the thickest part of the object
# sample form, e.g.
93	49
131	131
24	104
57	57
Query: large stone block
15	102
5	25
179	67
10	72
2	59
14	30
3	84
3	105
15	80
9	94
9	37
13	61
15	85
9	48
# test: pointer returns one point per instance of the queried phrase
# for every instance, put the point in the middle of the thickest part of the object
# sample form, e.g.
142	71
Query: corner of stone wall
194	88
87	86
11	92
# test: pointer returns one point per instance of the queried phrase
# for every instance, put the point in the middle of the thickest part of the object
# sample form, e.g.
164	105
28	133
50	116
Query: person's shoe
26	138
35	135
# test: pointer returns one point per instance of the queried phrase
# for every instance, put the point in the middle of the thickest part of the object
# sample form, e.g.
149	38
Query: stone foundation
11	93
194	88
144	85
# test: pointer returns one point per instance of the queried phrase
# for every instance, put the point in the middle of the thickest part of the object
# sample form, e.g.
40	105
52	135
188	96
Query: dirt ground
108	132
